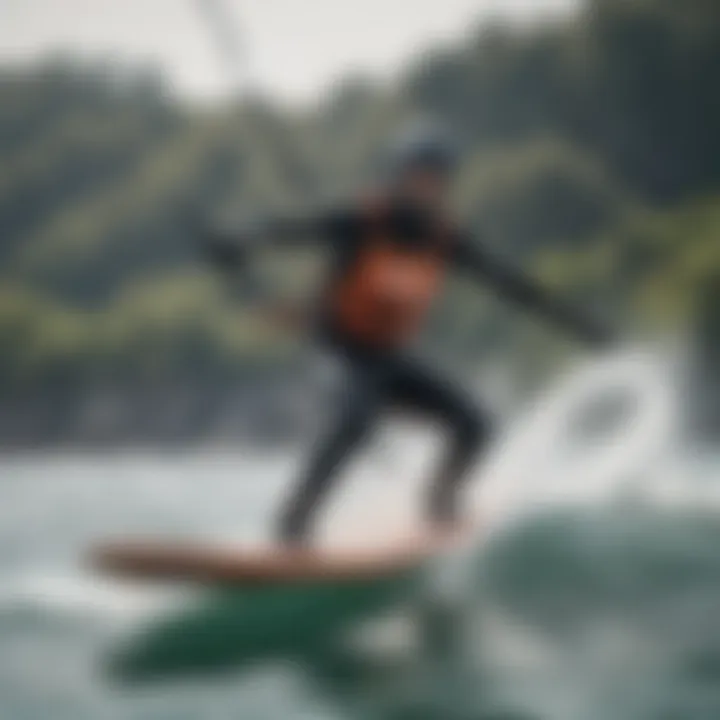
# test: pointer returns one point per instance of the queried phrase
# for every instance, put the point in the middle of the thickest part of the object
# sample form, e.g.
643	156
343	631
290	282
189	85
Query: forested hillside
592	159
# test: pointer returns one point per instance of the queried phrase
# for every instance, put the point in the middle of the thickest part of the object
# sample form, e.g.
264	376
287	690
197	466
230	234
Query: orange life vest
387	292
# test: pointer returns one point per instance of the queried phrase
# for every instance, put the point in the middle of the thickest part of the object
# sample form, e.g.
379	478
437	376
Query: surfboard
262	602
217	564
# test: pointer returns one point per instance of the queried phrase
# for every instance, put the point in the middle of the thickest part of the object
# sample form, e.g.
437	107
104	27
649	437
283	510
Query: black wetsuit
377	377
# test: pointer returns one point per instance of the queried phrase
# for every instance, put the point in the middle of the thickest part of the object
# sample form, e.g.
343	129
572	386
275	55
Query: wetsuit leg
421	388
357	409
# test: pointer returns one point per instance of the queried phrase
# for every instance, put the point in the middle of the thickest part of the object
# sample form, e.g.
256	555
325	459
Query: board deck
217	564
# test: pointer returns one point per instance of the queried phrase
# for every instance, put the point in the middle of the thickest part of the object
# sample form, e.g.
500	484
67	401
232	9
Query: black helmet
423	147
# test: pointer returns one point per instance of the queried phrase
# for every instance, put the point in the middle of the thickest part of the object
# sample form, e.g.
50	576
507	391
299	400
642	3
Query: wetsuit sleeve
325	227
513	285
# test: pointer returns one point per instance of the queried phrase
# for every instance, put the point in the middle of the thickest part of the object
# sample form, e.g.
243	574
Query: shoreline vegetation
592	160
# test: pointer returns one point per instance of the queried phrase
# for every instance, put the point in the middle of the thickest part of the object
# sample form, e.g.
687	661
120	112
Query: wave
51	594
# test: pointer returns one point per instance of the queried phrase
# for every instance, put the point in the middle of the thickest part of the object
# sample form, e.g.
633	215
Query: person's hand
227	244
587	328
597	335
224	253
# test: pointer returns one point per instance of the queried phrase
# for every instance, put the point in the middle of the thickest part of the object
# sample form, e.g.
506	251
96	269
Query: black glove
594	333
224	254
227	245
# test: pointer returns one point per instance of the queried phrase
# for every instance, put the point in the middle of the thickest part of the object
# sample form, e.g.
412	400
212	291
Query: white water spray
556	454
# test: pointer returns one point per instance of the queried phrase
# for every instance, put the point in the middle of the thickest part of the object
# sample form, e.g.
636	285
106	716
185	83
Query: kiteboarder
390	253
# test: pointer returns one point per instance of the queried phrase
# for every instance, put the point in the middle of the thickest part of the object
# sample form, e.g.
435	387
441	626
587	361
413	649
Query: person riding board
389	256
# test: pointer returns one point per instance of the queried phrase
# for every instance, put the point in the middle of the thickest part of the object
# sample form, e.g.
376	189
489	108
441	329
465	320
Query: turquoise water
596	612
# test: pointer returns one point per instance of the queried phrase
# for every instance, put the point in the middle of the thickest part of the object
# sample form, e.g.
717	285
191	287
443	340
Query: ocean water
592	591
603	609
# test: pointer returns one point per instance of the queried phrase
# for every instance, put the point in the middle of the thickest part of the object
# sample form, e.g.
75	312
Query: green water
600	614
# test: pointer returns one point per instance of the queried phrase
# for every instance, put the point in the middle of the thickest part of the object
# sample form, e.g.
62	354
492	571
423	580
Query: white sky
296	48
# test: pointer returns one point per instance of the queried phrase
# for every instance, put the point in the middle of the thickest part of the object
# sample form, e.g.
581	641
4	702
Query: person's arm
512	285
228	243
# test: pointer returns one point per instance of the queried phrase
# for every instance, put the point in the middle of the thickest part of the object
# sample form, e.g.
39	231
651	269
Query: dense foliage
592	158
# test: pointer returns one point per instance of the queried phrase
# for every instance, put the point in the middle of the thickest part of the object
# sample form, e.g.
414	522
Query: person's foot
443	514
293	532
442	505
